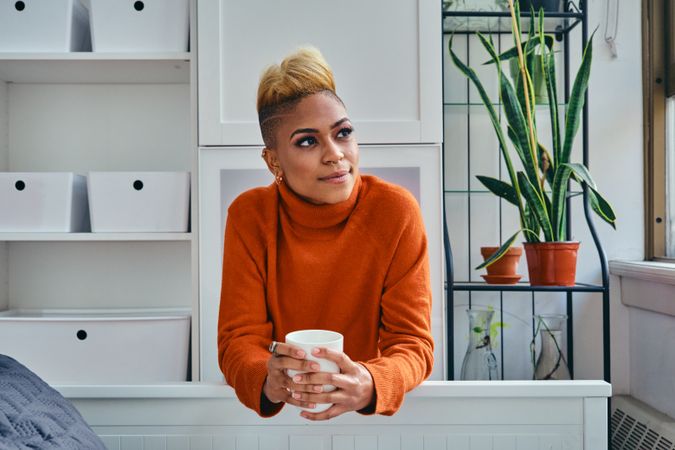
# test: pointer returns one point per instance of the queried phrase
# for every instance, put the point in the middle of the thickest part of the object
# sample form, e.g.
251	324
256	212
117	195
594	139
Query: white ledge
647	285
430	389
658	272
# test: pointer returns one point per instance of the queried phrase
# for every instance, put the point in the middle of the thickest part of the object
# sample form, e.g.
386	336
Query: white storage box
139	26
99	347
43	202
44	26
139	201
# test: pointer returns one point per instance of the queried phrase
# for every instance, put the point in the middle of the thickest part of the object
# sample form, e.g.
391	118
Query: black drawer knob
138	6
20	185
19	6
81	335
138	185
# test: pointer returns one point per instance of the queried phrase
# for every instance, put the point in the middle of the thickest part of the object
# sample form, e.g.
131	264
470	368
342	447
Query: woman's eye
345	132
306	141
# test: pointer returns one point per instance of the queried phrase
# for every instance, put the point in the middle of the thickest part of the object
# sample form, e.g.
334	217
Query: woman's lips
336	177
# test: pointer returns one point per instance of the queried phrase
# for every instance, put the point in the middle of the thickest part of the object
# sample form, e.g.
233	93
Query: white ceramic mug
307	340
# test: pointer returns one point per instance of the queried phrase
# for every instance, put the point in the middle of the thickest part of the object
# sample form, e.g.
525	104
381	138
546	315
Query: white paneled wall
436	439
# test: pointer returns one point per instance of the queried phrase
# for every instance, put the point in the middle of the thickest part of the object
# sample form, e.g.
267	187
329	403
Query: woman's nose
333	153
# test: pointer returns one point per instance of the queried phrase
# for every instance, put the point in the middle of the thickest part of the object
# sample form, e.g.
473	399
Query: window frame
657	20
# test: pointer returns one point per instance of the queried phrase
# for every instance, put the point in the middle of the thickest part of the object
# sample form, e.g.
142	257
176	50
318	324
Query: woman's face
315	151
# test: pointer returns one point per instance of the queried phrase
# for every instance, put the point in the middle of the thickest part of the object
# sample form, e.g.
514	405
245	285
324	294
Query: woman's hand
278	385
354	386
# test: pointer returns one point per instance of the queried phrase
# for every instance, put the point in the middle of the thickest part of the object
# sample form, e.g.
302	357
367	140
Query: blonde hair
282	86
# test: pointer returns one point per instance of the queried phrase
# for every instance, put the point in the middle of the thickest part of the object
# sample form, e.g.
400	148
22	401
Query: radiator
637	426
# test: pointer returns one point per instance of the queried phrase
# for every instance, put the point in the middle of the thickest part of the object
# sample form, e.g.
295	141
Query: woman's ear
272	161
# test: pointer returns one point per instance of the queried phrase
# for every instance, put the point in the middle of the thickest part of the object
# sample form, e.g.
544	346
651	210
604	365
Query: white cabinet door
224	173
386	56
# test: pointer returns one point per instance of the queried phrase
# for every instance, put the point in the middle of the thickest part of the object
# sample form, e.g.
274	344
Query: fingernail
300	354
316	351
312	405
318	388
315	366
296	396
297	378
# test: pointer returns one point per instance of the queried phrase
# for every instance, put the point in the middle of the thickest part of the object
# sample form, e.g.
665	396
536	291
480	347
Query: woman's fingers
283	349
345	364
284	362
331	412
338	380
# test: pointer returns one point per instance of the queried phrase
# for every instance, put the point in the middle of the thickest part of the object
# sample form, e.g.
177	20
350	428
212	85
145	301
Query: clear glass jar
551	363
479	362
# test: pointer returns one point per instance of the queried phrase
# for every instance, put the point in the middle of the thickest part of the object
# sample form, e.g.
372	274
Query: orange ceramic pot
552	263
502	271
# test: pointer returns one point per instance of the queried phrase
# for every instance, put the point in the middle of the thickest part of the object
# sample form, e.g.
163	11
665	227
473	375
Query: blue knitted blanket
35	416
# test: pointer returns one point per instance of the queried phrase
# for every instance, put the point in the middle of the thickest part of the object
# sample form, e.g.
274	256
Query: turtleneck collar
317	216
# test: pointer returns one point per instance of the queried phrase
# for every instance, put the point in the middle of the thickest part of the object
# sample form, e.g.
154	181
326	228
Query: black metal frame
568	20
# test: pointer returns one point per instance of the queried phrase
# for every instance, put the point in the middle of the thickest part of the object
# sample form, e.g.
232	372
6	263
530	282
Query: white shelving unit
93	237
87	67
82	112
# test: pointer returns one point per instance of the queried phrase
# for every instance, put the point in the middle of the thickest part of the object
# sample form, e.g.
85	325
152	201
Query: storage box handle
19	6
20	185
138	185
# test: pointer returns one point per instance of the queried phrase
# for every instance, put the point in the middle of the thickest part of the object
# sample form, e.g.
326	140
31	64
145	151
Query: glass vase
551	363
479	362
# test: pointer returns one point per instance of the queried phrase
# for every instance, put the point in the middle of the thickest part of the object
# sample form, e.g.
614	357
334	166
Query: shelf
469	22
91	237
543	106
484	191
88	67
524	287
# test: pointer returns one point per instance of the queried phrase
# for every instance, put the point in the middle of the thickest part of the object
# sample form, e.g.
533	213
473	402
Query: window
658	49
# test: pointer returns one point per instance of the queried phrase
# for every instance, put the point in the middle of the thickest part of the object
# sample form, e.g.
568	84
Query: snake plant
539	188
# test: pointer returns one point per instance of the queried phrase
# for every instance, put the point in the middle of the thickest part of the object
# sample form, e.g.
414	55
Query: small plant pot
552	263
548	5
502	271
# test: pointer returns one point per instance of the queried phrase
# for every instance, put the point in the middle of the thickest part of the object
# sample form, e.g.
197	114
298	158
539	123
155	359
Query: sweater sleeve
405	341
244	328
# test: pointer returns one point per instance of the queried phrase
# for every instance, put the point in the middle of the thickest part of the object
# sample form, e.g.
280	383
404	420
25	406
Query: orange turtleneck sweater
358	267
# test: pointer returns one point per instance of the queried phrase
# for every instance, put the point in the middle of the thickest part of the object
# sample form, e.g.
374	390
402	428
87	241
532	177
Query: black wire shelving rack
560	24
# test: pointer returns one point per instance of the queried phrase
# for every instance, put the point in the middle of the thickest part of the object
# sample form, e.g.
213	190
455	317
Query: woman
322	247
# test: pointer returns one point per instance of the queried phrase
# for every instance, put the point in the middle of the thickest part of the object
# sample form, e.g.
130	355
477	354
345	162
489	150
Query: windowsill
646	285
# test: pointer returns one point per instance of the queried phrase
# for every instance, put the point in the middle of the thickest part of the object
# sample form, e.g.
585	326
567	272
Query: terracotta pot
502	271
552	263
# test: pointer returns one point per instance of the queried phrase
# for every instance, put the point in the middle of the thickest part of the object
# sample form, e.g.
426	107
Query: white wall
615	106
4	155
615	143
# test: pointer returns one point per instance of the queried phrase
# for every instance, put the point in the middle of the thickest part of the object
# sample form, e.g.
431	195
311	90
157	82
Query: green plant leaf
582	173
500	251
532	225
544	154
576	102
548	67
529	46
519	127
601	207
559	202
500	189
494	118
538	206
